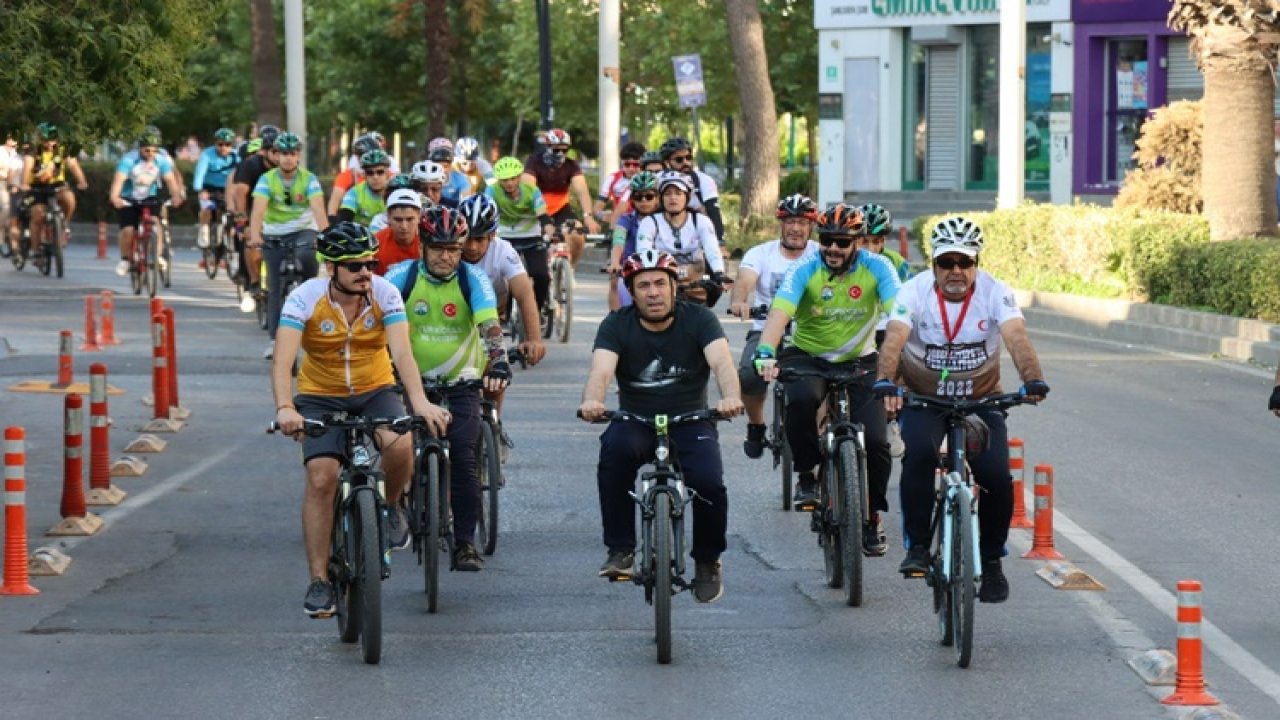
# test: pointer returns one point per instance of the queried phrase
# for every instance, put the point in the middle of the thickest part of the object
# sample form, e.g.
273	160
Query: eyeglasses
681	159
631	163
356	266
447	249
840	241
376	171
646	196
441	156
224	144
950	263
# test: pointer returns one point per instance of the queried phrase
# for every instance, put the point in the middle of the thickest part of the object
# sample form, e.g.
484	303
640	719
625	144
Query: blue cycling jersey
213	170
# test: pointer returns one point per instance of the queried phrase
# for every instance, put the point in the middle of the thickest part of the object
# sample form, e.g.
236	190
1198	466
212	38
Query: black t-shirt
247	173
661	372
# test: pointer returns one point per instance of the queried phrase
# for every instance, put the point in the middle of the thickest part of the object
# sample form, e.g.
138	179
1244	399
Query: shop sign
833	14
830	106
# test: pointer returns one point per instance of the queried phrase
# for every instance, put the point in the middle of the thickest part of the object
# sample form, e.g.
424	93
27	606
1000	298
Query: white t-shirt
501	263
971	357
694	241
770	265
704	189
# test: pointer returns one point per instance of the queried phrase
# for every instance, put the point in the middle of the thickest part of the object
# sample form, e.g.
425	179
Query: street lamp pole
547	108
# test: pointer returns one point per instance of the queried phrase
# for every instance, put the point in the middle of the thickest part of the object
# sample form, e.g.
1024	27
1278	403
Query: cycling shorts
379	403
41	194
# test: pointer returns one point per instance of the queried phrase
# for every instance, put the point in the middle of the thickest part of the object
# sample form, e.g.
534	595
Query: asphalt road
188	602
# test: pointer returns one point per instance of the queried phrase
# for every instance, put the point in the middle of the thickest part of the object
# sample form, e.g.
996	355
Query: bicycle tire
152	268
490	469
341	573
782	449
42	248
829	538
55	258
663	557
210	252
962	582
432	529
852	514
564	301
368	574
165	253
19	257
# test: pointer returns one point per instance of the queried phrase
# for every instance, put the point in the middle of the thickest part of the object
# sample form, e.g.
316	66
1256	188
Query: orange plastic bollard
73	457
102	240
107	333
1042	540
902	242
64	359
159	368
171	353
17	577
99	429
90	326
1018	470
1190	687
157	305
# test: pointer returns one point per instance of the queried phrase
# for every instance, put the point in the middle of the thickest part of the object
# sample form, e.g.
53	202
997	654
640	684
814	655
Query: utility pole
610	86
1013	102
295	70
544	63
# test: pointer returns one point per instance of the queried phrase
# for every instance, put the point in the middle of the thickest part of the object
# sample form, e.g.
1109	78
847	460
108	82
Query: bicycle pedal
321	616
620	577
910	574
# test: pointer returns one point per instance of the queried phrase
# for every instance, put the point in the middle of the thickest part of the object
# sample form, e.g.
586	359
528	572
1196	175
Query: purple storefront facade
1121	59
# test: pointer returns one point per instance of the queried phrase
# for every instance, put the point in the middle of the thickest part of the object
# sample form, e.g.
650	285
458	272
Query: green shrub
795	182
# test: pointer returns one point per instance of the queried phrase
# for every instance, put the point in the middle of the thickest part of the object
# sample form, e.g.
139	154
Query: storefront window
914	114
984	107
1127	101
1039	86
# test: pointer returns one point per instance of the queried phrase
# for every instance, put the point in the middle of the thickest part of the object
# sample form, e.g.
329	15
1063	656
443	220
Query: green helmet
877	218
507	168
644	180
344	241
287	142
403	181
47	131
224	135
149	139
253	146
373	158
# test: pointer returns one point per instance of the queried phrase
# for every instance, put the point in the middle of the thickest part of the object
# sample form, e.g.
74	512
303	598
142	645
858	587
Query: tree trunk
268	73
759	113
439	37
1238	180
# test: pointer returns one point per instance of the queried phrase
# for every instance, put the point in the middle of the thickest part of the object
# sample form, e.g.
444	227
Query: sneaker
270	351
995	588
466	559
201	264
806	494
896	446
122	268
874	541
916	563
397	528
202	237
248	304
753	446
707	587
320	602
618	565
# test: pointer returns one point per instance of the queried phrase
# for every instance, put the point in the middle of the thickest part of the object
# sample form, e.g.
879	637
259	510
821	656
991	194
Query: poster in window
1131	85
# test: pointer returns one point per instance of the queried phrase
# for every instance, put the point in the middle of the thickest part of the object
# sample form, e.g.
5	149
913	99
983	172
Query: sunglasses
441	157
631	163
681	159
840	241
646	196
946	263
376	171
224	144
356	266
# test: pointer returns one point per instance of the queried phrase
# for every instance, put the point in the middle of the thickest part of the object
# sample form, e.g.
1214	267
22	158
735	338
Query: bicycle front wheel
59	225
962	583
663	558
368	575
781	449
490	470
564	300
210	252
825	516
166	258
429	479
852	513
152	280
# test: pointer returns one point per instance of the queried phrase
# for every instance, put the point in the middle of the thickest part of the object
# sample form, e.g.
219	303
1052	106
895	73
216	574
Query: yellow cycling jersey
50	168
342	360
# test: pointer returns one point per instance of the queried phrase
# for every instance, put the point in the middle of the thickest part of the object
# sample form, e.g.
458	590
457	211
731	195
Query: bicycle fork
646	499
957	492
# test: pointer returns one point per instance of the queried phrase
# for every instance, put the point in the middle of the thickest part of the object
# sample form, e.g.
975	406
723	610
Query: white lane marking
1216	362
1217	641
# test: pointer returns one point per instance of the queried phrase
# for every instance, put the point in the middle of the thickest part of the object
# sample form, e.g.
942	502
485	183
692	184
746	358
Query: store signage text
886	8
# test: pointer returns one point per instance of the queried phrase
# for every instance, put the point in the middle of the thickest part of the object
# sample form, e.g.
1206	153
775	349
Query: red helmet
442	225
649	260
841	219
798	206
556	136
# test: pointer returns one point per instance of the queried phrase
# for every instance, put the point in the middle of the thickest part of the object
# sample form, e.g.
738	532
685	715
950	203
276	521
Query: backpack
411	278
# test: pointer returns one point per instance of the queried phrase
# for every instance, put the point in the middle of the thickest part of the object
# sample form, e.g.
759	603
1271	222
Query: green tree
99	69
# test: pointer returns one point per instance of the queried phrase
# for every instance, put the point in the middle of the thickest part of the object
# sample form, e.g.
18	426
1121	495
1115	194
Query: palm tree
759	111
1235	43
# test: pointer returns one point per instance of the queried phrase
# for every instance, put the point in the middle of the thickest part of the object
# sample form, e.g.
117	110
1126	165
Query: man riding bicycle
943	340
44	178
365	201
243	183
138	178
454	332
685	235
662	352
558	176
210	182
835	298
677	155
346	371
523	221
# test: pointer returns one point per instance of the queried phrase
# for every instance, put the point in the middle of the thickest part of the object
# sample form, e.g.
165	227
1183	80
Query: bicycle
290	274
144	268
660	553
221	249
48	250
359	557
955	571
559	310
843	509
22	207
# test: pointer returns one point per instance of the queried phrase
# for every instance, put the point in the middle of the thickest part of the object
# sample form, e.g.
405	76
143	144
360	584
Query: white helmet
668	178
956	234
428	171
466	148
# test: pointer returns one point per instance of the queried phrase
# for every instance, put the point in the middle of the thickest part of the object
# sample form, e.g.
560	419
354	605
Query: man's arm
402	357
720	358
238	197
739	301
774	325
28	172
175	189
76	171
711	208
317	211
578	185
255	223
202	168
288	340
521	287
1014	333
113	195
603	365
895	338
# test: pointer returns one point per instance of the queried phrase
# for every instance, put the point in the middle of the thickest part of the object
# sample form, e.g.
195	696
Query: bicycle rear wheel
564	300
663	558
368	575
490	471
429	481
962	583
825	516
853	496
341	573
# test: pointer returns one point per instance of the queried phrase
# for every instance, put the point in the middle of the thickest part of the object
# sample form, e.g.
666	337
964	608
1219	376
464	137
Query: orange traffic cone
1190	688
17	578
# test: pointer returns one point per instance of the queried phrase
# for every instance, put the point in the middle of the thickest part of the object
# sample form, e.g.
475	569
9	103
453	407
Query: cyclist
652	162
501	263
287	213
662	351
1274	403
399	241
243	183
346	371
377	141
456	185
364	201
678	155
428	178
44	178
644	202
467	160
557	176
679	231
138	178
523	220
454	332
879	223
943	340
835	298
210	182
11	165
352	174
616	189
761	271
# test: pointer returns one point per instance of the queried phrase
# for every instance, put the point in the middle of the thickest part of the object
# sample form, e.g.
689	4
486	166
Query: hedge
1143	255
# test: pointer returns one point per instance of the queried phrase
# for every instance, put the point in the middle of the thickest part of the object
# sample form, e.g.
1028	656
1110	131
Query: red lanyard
942	310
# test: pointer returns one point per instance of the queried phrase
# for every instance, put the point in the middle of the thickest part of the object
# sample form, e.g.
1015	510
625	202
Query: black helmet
364	144
673	146
268	135
345	241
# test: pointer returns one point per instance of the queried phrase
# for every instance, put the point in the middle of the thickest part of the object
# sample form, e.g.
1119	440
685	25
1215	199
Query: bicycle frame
664	478
358	475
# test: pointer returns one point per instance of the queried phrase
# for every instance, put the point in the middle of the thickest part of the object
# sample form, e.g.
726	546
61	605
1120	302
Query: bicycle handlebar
966	406
315	428
758	312
688	417
439	384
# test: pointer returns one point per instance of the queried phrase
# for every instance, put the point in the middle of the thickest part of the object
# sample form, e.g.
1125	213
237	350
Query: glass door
1127	102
